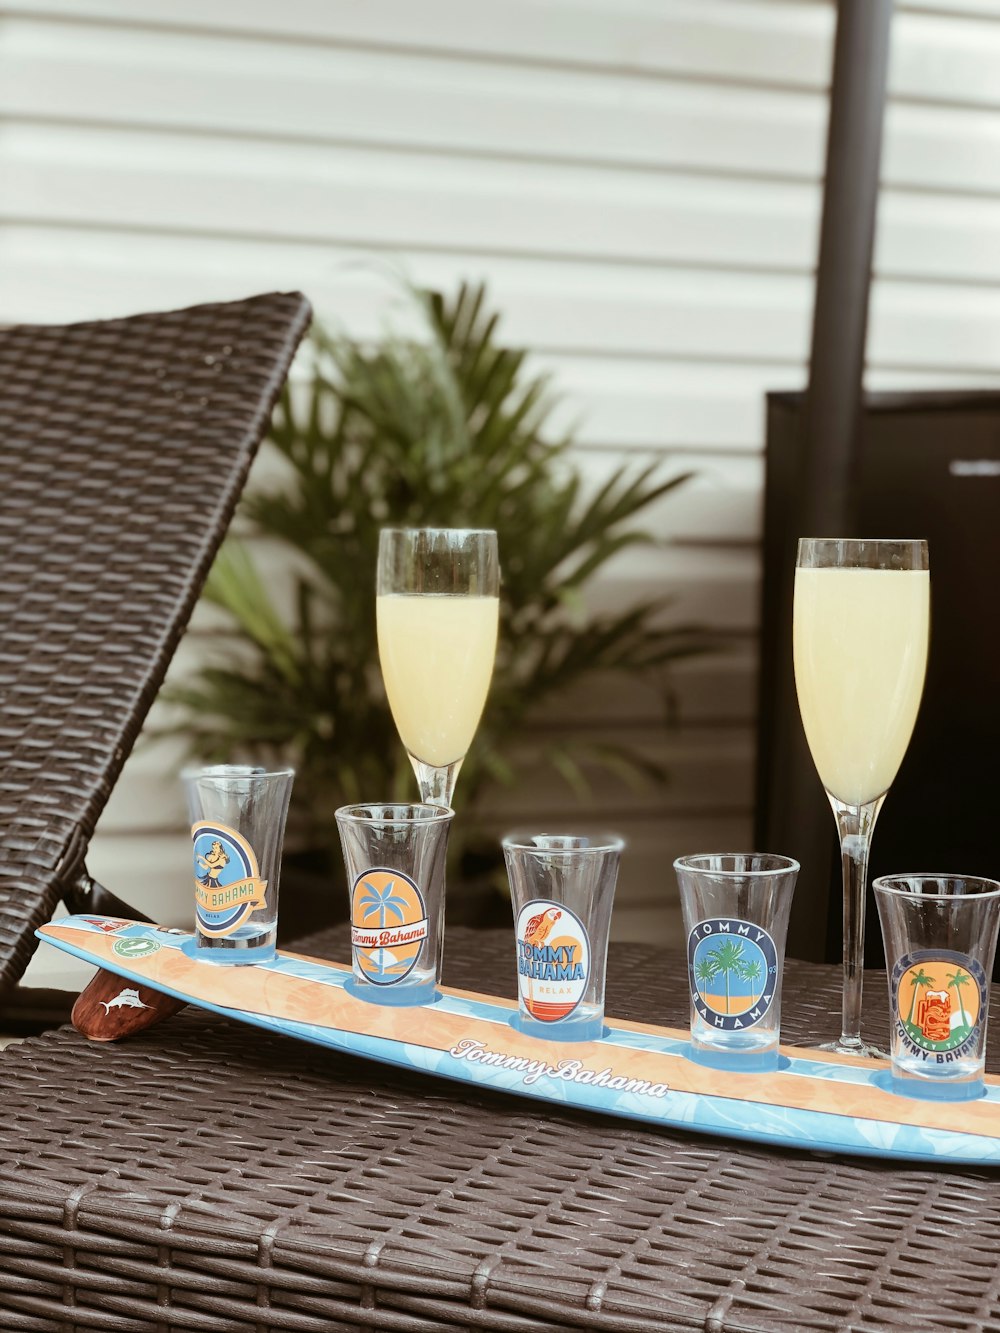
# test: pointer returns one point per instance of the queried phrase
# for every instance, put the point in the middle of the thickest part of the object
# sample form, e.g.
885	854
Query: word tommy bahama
542	962
566	1070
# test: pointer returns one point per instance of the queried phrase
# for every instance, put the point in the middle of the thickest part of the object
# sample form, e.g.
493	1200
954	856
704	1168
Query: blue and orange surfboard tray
814	1100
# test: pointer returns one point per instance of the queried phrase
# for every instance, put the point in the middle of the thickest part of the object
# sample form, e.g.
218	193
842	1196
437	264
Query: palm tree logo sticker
388	924
733	971
380	903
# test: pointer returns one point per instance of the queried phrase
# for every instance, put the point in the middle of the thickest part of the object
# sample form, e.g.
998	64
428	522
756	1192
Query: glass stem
854	824
437	785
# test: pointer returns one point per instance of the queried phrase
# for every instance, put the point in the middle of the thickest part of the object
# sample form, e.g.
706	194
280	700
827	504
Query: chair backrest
124	446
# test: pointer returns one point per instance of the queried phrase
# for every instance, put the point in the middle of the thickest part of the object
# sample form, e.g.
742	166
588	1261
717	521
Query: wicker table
209	1176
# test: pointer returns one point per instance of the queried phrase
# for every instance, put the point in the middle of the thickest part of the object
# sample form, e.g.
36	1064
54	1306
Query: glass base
227	955
931	1089
398	995
737	1061
563	1029
854	1046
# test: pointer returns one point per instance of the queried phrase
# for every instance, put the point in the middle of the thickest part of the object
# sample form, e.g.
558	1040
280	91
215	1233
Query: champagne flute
437	604
860	631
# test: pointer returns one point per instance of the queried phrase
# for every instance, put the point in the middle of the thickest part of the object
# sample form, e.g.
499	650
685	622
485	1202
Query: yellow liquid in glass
436	653
860	645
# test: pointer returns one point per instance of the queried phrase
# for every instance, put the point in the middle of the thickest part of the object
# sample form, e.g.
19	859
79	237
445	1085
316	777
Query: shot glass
735	907
237	829
395	860
940	935
562	889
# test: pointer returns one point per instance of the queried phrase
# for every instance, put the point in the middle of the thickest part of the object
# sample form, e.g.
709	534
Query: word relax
568	1071
542	962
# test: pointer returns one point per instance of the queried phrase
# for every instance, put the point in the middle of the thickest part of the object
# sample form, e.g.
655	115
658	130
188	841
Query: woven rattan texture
124	447
208	1176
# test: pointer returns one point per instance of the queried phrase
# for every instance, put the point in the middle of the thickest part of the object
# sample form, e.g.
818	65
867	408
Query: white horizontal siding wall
639	182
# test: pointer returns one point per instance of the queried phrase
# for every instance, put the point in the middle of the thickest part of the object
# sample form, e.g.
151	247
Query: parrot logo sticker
553	960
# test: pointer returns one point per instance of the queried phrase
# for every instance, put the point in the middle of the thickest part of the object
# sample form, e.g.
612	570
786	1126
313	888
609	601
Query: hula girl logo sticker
938	998
227	882
388	925
553	959
733	972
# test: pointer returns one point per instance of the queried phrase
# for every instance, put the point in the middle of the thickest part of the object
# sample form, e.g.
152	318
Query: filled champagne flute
437	605
860	631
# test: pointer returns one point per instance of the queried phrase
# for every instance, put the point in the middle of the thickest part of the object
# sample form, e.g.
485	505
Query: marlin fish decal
125	999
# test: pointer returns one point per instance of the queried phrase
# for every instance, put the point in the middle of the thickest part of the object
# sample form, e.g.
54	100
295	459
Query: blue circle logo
732	971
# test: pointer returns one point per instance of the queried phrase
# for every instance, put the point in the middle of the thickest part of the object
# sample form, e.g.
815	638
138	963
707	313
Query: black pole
828	450
796	816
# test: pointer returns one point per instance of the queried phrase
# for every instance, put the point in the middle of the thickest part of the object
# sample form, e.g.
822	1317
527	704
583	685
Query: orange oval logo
938	998
227	882
388	925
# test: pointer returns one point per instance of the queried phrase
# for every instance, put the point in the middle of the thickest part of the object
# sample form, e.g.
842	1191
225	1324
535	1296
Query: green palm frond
705	971
727	956
449	427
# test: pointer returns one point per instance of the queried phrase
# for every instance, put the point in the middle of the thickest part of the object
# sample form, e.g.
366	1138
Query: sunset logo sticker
553	960
388	925
227	883
937	1001
733	972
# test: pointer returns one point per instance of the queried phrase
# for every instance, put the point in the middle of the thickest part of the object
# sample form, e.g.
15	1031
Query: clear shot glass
940	935
395	859
736	907
238	817
562	890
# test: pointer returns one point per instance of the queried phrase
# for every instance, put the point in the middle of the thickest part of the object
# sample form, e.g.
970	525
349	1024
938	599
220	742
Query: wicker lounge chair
207	1176
125	445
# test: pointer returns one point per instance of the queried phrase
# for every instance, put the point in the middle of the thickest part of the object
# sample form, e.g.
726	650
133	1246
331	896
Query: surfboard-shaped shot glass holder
814	1100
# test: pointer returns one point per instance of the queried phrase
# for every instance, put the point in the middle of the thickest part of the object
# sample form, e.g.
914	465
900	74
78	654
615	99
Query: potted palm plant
445	428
